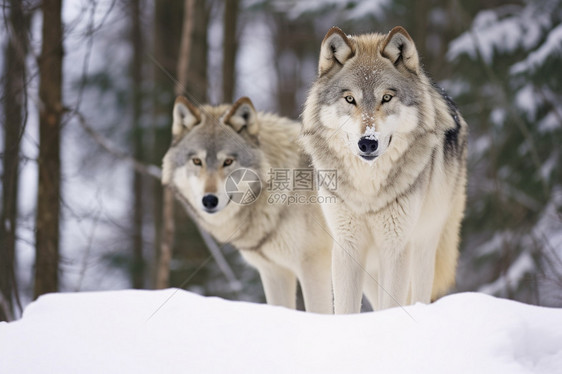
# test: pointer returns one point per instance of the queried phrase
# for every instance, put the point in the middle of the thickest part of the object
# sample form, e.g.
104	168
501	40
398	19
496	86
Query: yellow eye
228	162
386	98
196	161
350	99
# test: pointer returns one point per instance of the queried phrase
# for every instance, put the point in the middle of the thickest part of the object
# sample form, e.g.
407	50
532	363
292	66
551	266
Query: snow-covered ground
174	331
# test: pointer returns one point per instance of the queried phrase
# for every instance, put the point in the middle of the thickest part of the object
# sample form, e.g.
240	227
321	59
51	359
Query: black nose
368	145
210	201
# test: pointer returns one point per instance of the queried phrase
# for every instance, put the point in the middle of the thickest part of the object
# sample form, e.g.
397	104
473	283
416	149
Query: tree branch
106	144
516	117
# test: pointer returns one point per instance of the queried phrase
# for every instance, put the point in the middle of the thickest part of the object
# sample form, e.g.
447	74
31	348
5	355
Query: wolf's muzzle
210	202
368	146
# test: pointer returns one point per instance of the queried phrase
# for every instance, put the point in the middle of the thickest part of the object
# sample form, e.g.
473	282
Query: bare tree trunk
197	73
292	45
230	46
50	112
14	101
168	22
421	23
167	244
138	263
182	68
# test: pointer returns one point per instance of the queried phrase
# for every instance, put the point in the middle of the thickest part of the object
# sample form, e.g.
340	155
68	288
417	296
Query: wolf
211	145
399	145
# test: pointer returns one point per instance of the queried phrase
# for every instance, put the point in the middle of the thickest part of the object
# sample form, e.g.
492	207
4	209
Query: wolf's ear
399	48
242	114
186	115
336	49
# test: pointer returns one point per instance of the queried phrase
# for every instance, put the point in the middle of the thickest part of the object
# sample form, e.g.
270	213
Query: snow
513	277
351	10
549	165
175	331
549	123
492	33
552	47
298	8
526	100
497	116
480	145
491	246
370	133
368	8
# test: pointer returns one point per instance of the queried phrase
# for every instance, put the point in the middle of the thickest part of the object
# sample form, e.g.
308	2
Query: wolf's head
208	144
368	89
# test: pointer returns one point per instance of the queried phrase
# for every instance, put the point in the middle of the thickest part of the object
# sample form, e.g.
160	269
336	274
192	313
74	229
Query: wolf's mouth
368	157
218	208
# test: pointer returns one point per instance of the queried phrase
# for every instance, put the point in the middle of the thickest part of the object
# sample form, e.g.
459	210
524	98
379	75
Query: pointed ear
399	48
336	49
242	114
186	115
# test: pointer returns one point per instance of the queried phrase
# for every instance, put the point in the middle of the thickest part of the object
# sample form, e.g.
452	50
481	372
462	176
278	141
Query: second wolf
216	145
399	146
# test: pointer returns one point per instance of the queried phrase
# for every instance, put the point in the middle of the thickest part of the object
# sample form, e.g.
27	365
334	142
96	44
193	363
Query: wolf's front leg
348	257
316	283
395	276
279	285
394	228
348	274
423	268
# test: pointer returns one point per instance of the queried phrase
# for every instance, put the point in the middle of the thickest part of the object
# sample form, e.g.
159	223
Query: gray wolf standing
283	242
399	146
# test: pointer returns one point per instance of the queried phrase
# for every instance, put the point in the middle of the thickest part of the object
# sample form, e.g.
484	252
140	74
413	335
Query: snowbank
174	331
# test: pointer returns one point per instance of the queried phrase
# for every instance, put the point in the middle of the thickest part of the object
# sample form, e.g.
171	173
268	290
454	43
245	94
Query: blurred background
88	86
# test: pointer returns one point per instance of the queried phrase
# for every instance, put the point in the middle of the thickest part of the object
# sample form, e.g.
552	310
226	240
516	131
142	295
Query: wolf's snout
368	144
210	201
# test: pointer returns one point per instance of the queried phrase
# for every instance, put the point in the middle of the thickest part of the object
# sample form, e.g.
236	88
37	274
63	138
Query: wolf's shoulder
278	126
450	120
278	139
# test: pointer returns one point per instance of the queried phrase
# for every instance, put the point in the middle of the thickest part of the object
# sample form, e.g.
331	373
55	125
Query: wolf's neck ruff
384	178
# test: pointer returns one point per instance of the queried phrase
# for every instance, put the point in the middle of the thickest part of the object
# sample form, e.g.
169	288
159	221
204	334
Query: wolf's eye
386	98
196	161
350	99
227	162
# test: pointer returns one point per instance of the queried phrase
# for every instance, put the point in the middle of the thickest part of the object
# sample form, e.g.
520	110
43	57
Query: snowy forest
87	91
